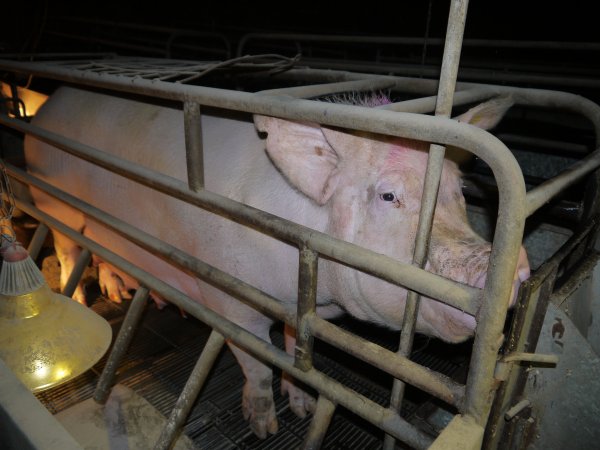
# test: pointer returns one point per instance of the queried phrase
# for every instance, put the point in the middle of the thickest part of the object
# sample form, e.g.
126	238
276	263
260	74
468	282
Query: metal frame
473	400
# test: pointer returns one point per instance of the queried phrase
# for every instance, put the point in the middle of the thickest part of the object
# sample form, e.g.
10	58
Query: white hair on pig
367	99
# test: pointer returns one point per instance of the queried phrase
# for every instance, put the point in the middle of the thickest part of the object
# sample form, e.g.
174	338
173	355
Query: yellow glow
41	370
32	99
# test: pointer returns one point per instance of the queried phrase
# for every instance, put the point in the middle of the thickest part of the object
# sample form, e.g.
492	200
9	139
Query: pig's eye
388	197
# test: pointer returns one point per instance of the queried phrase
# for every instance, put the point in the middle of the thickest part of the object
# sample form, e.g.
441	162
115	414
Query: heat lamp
45	338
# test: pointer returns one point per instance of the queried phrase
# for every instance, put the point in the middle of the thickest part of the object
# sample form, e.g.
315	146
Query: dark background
23	21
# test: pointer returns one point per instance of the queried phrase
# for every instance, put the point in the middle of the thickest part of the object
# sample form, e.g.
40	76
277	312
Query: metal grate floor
167	345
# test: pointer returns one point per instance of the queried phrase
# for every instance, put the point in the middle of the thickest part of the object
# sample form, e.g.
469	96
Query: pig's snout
522	273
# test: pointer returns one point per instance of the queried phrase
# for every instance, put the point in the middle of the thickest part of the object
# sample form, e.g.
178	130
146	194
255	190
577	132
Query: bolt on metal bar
433	175
307	303
389	421
319	424
83	260
317	90
191	390
126	332
460	296
193	145
37	241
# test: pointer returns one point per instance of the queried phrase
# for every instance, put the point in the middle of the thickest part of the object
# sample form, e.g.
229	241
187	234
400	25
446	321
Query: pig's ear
487	115
302	154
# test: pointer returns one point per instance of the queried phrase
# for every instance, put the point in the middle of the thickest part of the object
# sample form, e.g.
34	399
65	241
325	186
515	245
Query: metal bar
465	298
433	176
428	104
37	241
319	424
542	194
398	366
190	392
83	260
372	353
126	332
397	40
194	153
243	291
307	303
389	421
317	90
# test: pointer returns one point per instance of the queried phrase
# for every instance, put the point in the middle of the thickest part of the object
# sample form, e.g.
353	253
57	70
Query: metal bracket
504	365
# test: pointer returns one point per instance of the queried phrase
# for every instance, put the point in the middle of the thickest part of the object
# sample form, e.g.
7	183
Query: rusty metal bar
307	303
191	390
194	153
83	260
126	332
37	241
389	421
460	296
433	176
319	424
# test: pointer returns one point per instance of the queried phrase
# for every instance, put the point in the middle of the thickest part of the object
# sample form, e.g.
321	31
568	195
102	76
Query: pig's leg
111	284
258	406
300	401
67	252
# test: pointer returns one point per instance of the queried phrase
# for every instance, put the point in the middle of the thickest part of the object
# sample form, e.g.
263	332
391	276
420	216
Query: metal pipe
307	303
126	332
389	421
465	298
433	176
83	260
193	145
398	366
319	424
425	105
190	392
37	241
543	193
237	288
371	353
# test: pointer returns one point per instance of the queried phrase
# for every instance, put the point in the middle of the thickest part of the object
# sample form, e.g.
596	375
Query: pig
359	187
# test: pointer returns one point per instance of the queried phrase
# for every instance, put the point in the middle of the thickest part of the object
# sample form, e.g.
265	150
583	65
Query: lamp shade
47	338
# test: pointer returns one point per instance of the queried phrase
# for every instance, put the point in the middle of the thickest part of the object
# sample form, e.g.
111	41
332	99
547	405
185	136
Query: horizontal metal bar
387	420
398	366
427	104
260	300
460	296
543	193
317	90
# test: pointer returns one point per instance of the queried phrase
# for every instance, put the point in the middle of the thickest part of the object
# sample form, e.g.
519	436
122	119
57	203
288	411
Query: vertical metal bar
433	175
82	262
319	424
190	391
37	241
193	145
130	323
307	301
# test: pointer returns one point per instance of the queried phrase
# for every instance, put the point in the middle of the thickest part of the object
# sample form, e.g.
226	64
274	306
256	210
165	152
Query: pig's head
372	187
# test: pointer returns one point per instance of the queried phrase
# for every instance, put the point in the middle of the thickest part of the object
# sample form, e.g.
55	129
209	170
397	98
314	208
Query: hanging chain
7	206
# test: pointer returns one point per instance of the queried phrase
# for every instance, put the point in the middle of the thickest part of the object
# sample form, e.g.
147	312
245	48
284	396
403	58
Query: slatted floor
167	345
